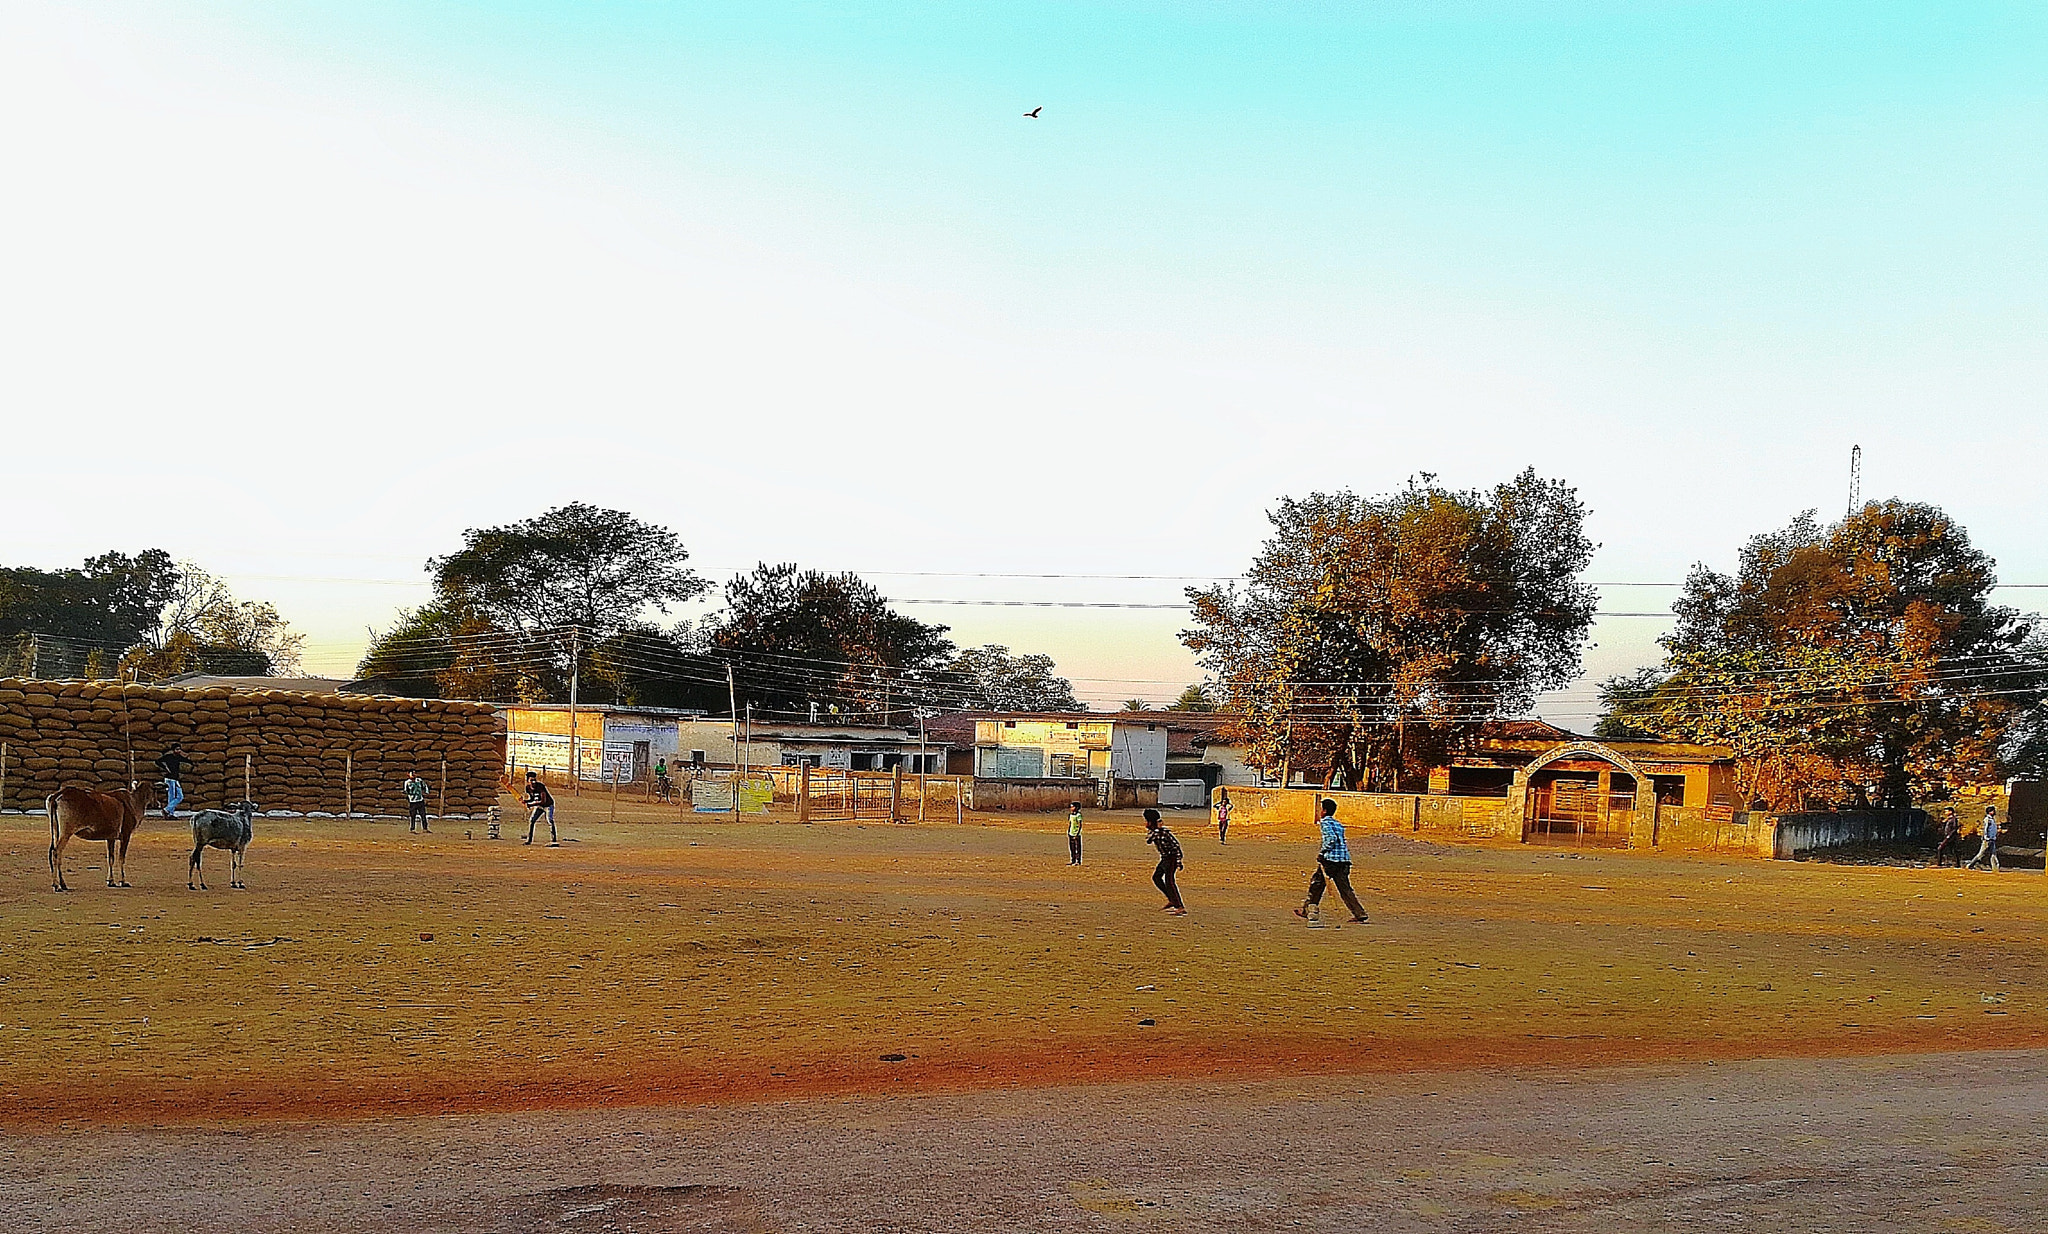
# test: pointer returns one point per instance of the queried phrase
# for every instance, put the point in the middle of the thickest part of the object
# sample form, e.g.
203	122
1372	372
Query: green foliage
1858	655
646	666
203	628
440	650
1374	634
575	565
1194	698
505	603
113	602
989	678
803	636
1624	711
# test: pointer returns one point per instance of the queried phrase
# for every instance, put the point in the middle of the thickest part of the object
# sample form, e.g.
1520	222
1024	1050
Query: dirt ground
367	971
1921	1144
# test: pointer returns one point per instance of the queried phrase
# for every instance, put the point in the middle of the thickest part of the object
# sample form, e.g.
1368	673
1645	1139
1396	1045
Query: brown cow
91	815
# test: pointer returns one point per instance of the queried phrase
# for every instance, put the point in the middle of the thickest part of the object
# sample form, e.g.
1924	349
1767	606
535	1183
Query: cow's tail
50	807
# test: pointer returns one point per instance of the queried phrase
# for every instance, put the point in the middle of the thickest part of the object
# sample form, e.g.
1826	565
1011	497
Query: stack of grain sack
301	753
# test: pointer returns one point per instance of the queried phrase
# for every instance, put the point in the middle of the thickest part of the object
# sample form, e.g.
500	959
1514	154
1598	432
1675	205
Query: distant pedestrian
1951	843
661	777
1333	865
542	803
1073	833
1159	837
415	788
1987	852
172	763
1222	814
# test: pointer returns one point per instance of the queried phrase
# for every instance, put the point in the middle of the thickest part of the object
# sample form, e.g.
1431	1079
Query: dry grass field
370	972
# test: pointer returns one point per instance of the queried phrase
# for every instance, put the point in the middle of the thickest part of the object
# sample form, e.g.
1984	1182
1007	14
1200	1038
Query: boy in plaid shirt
1159	837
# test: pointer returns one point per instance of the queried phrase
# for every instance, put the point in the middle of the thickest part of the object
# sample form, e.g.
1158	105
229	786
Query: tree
202	627
646	666
443	650
1194	698
989	678
576	565
1863	654
51	621
1136	704
1622	698
510	605
1374	634
798	637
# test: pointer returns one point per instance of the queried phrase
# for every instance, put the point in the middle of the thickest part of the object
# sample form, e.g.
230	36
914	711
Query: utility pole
732	695
575	667
1855	479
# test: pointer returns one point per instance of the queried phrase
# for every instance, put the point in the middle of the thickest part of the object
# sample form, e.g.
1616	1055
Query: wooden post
348	784
248	775
922	785
441	804
615	794
803	793
959	800
896	795
3	775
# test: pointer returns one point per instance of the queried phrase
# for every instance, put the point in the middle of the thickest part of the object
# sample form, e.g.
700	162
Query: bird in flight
1033	113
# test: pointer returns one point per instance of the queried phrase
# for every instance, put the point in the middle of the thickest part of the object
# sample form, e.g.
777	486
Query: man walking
1073	833
543	803
1987	852
1333	865
1222	813
1951	844
1159	837
172	763
415	801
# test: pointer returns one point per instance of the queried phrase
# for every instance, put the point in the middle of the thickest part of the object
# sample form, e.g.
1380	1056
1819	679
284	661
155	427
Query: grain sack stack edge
302	753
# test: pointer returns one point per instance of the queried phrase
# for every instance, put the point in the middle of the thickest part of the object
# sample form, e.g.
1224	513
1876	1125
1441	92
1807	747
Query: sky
302	290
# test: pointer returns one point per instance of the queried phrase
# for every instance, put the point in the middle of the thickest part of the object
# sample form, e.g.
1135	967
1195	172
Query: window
1670	790
1073	724
696	758
1009	724
863	762
1067	766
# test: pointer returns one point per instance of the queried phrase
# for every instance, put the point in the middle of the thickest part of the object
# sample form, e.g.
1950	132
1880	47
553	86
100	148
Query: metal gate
1567	811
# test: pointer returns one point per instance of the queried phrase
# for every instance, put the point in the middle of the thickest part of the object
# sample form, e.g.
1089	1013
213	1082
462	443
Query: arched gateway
1582	792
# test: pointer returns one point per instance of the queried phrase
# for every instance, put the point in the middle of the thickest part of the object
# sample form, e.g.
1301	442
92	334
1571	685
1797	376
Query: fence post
615	793
922	786
441	803
3	775
959	802
896	795
348	784
248	775
803	794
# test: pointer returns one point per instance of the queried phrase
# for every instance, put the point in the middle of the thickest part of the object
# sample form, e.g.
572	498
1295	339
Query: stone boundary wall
1670	829
304	753
1801	833
1030	796
1486	818
1049	795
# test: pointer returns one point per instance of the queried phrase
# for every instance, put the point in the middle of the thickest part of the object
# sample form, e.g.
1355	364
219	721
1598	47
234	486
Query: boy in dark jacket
1159	837
543	803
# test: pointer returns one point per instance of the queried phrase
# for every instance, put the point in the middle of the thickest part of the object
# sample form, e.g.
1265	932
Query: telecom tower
1855	479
